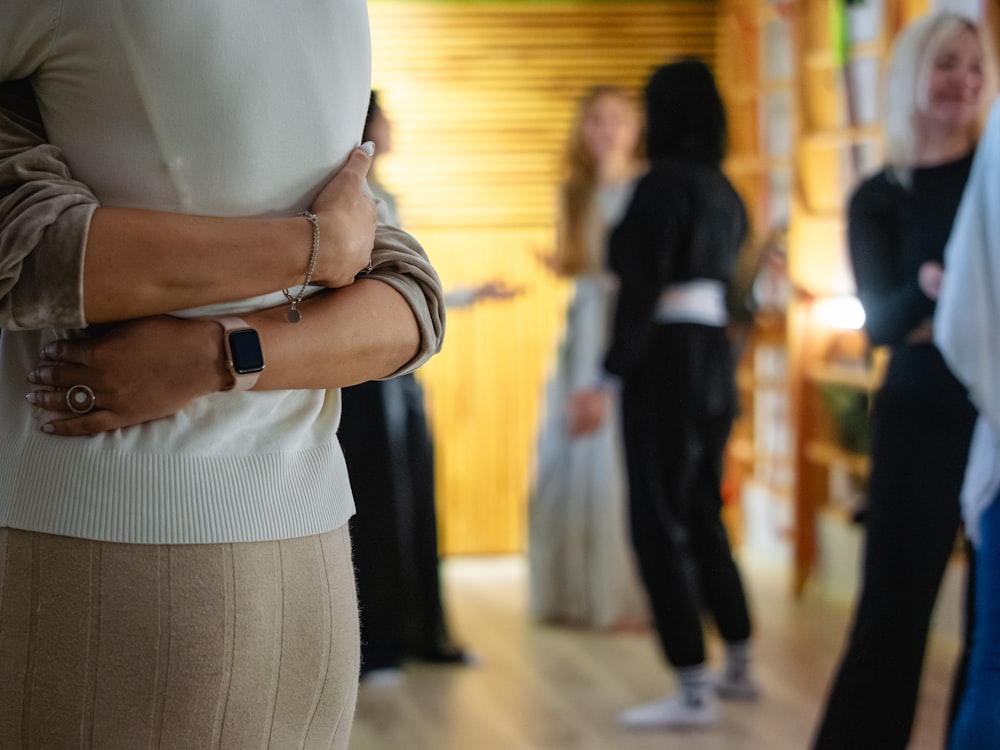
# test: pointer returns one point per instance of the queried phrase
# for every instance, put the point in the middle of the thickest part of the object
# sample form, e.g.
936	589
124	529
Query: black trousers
390	458
921	427
677	411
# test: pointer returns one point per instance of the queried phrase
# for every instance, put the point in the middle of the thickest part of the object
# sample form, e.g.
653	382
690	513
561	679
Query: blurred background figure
675	253
898	223
581	567
965	325
390	457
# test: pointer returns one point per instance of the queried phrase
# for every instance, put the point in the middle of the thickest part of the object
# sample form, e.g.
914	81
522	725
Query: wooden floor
543	688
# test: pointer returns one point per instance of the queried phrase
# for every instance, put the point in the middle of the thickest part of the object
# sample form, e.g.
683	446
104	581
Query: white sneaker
676	712
743	688
384	677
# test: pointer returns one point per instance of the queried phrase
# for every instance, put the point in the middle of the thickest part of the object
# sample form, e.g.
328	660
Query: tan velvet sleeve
44	219
400	261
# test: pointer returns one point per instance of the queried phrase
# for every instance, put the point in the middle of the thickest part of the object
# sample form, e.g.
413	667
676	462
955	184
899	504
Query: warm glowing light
840	312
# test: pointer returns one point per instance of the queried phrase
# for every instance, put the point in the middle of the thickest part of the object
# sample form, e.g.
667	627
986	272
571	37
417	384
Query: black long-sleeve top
892	231
685	222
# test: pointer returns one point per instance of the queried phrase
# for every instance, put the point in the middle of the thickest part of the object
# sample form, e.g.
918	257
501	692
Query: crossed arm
65	261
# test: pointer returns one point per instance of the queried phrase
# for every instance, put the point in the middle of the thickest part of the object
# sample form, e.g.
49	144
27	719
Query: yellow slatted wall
480	96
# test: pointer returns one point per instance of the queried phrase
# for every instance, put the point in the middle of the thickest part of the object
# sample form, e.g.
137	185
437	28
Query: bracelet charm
294	316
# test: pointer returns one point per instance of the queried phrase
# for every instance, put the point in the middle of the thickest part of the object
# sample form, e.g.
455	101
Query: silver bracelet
294	316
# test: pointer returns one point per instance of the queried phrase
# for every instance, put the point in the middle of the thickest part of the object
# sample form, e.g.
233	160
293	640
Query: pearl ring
80	399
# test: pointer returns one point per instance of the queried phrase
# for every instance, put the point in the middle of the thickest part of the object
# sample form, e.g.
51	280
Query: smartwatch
244	357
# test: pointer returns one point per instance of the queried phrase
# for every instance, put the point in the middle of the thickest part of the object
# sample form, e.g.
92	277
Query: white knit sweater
235	108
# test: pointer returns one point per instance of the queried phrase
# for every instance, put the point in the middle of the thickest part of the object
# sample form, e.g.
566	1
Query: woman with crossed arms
173	516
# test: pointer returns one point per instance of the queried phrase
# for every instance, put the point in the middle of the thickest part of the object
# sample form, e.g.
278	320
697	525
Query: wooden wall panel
480	96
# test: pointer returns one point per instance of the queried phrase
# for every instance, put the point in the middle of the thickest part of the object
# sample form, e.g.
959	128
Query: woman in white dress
581	563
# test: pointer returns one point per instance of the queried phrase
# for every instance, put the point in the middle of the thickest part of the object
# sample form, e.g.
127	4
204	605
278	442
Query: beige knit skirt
127	646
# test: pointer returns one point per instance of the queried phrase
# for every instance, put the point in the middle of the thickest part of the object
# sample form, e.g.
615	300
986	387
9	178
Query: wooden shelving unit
757	81
806	119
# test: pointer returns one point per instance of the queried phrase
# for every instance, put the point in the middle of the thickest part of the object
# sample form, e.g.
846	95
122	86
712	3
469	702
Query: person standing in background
389	451
965	325
582	571
898	223
675	252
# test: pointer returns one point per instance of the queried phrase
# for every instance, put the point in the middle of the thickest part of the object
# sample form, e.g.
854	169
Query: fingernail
48	428
368	147
33	376
31	398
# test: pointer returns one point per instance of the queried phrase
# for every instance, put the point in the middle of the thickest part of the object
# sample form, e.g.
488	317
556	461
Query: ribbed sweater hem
150	498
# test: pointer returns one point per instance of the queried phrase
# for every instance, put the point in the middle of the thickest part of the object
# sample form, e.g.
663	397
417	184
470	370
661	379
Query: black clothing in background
891	233
390	458
921	427
685	222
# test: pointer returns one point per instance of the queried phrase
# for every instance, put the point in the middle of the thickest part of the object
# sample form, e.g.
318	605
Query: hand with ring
135	372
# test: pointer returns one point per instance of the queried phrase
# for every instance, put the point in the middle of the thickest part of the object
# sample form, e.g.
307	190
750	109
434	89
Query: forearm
140	263
891	314
366	331
347	336
893	302
386	323
66	262
154	367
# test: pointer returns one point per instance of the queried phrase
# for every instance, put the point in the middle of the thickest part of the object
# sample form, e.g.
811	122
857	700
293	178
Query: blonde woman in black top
899	221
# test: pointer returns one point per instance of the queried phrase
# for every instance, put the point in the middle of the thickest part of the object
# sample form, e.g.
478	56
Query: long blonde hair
912	57
576	196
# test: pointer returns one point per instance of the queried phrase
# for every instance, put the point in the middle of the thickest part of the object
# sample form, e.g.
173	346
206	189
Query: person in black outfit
390	457
389	451
674	253
898	224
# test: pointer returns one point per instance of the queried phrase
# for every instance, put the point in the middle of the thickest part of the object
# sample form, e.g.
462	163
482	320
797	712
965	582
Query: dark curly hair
685	117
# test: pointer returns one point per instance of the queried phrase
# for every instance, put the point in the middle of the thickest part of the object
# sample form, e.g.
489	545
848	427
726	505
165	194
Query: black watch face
244	345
